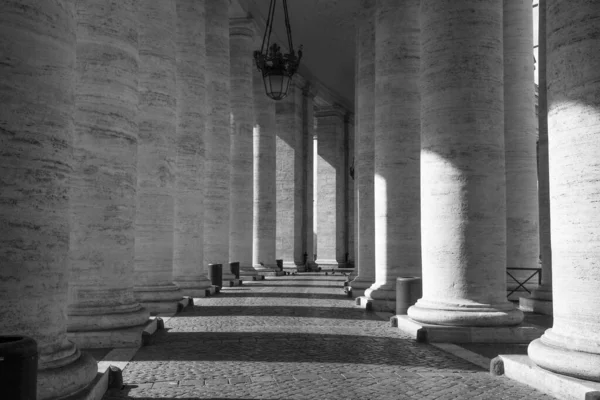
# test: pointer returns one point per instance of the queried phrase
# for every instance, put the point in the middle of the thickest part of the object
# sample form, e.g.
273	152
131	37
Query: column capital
242	27
335	110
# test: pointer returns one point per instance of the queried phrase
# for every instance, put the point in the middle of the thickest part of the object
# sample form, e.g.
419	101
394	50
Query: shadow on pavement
330	296
200	310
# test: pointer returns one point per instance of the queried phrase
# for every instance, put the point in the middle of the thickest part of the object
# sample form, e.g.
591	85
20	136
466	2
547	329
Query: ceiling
326	29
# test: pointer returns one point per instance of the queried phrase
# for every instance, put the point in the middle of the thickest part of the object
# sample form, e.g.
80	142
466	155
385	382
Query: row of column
127	168
478	178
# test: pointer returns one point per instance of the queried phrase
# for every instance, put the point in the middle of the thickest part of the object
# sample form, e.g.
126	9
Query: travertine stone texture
463	203
241	31
520	131
309	132
330	187
157	26
265	203
396	146
37	84
572	345
289	175
218	137
363	165
544	292
189	271
102	187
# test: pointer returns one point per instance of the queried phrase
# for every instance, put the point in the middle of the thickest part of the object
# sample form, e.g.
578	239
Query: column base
535	305
567	356
383	297
268	270
250	274
70	380
467	314
325	264
522	369
158	299
114	338
290	267
193	287
523	333
371	304
360	285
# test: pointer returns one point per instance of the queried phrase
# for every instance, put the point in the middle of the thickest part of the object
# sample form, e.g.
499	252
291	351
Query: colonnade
127	132
484	204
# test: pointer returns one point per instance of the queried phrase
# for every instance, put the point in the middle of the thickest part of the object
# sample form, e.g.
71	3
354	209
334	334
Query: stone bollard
409	289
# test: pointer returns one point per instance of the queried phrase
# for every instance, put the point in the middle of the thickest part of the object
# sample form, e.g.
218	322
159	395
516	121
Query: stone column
396	149
218	138
522	236
154	286
37	85
330	188
289	175
102	309
309	133
572	345
463	201
363	165
350	215
189	271
263	232
540	300
241	31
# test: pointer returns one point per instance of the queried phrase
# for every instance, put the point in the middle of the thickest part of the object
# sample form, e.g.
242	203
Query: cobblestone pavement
298	337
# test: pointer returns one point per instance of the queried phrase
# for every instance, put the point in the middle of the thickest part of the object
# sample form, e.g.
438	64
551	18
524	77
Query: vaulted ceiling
326	29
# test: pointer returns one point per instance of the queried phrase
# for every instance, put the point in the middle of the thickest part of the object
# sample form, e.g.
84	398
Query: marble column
522	233
308	208
37	87
350	214
102	310
154	288
217	169
572	346
241	31
396	145
263	232
463	200
289	176
330	188
363	165
189	271
540	300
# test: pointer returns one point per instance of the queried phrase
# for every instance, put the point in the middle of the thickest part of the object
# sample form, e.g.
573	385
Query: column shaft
330	188
396	149
263	232
572	345
154	286
463	201
544	293
350	210
363	165
37	84
309	133
289	175
217	187
189	271
522	234
103	190
242	111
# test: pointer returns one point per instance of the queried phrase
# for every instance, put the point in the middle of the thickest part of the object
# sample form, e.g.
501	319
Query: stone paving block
306	377
158	385
240	379
219	381
266	378
193	382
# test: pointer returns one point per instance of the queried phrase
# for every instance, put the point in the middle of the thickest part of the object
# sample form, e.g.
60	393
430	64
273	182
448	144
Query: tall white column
189	271
37	87
157	118
396	149
572	345
522	233
217	169
102	309
241	31
541	299
363	165
463	201
350	210
289	175
265	202
309	133
330	189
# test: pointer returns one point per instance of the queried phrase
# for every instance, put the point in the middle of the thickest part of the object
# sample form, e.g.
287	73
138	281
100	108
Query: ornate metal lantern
277	68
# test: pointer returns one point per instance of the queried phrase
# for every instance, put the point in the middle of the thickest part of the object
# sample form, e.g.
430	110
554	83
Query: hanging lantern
277	68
